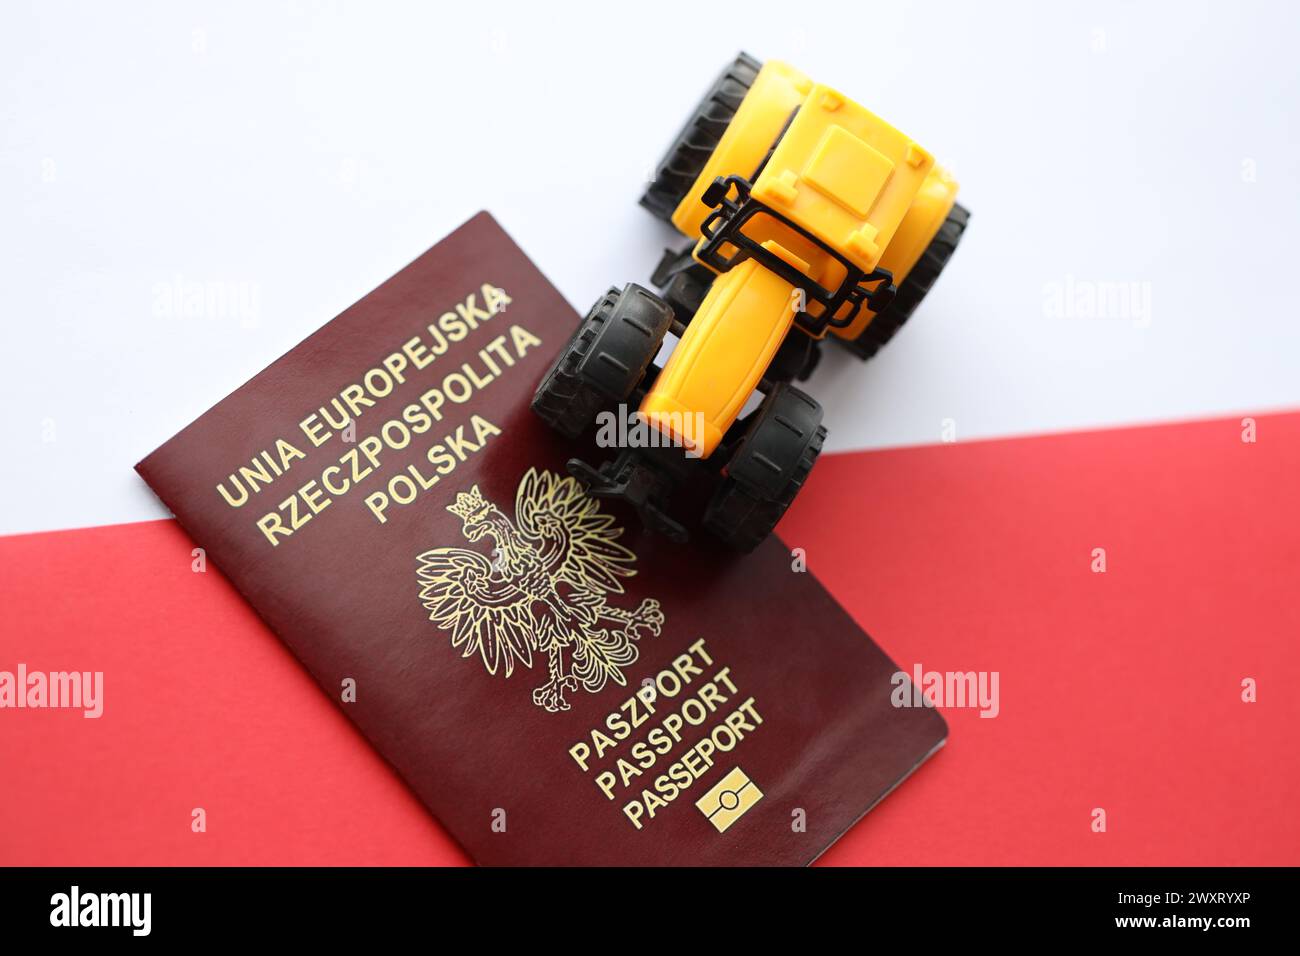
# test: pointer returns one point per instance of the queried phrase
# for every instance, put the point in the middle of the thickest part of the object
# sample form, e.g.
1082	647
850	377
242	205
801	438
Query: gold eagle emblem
543	589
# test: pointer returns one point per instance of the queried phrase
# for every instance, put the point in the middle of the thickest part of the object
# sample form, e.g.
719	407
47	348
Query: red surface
1119	690
203	707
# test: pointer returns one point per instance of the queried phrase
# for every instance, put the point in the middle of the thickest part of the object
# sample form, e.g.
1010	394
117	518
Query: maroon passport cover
557	686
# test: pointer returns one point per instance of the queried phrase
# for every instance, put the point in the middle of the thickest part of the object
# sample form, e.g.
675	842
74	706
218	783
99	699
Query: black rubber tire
570	395
919	281
741	516
693	146
563	400
741	519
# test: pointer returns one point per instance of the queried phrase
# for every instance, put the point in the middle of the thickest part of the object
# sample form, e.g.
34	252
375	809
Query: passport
558	686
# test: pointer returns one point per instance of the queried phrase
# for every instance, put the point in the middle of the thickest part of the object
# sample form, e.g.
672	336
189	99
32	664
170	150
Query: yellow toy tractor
810	217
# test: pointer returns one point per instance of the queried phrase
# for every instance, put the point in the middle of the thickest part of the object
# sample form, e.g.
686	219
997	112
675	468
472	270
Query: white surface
303	153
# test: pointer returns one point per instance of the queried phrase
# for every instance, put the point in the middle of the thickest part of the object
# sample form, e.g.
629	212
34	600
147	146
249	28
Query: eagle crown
477	514
469	506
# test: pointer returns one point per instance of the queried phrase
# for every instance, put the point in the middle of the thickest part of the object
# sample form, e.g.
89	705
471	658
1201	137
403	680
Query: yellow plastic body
777	91
840	172
719	361
929	208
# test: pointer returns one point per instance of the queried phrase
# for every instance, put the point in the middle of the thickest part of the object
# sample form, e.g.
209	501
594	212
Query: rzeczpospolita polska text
457	355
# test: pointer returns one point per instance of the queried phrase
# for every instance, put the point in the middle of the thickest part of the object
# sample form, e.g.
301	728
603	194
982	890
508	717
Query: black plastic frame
724	226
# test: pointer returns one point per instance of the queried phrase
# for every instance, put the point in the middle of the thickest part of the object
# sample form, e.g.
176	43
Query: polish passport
555	684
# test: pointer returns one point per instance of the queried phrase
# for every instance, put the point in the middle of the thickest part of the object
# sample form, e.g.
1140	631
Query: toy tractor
810	217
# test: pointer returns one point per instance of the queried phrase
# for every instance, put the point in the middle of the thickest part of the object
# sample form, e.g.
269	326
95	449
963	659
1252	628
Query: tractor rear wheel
689	152
913	289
